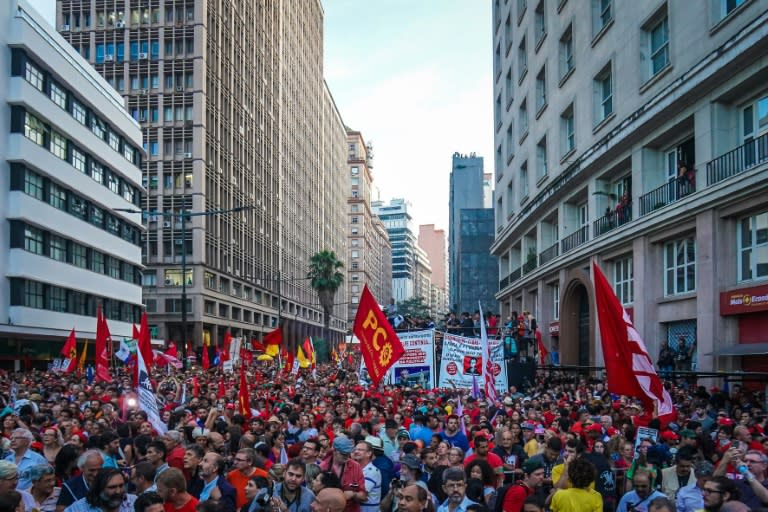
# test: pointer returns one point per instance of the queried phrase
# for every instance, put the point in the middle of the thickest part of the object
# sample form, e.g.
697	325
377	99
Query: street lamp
184	215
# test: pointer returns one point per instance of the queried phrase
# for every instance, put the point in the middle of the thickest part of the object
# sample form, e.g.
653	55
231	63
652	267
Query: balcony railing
612	219
550	253
503	283
515	275
575	239
738	160
672	191
530	265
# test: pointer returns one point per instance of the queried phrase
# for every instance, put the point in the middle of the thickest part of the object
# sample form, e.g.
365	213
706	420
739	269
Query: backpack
501	494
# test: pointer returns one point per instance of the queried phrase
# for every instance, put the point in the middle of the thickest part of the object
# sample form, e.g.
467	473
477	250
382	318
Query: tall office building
422	275
71	157
477	272
370	253
399	224
434	244
467	190
235	113
634	135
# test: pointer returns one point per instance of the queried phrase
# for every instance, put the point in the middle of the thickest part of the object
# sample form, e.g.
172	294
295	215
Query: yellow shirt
557	472
577	500
532	448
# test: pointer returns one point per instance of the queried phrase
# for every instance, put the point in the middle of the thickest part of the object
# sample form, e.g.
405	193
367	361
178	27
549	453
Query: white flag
124	353
147	399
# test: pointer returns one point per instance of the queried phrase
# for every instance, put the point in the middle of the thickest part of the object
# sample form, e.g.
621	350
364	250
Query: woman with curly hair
480	470
579	497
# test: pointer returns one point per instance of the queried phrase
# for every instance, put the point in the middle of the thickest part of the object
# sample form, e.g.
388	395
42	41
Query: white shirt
373	488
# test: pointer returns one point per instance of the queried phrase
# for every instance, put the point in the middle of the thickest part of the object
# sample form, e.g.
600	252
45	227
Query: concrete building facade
467	190
370	253
634	135
433	242
71	157
399	225
235	113
422	282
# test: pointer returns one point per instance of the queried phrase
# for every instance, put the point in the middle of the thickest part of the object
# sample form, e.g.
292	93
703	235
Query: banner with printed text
462	362
417	365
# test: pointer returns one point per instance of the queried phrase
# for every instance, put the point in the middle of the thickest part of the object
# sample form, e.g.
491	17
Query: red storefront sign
744	300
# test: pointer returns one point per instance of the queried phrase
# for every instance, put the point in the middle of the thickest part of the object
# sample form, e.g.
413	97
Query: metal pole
184	282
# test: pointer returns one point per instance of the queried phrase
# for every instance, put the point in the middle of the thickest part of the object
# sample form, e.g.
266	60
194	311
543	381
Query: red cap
725	422
668	435
595	427
231	406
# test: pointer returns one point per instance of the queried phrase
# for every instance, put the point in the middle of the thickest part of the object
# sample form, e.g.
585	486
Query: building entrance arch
577	320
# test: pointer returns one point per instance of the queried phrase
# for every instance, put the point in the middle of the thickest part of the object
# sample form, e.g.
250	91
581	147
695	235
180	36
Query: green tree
414	307
326	278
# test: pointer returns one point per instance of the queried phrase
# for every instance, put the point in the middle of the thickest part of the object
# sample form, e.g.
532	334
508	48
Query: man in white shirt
363	455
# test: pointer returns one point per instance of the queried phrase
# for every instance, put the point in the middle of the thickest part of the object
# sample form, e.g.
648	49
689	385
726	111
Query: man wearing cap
679	475
515	494
453	435
383	463
349	472
691	497
419	430
363	455
23	456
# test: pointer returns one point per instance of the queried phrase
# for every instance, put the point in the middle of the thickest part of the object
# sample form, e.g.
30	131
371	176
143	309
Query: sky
415	77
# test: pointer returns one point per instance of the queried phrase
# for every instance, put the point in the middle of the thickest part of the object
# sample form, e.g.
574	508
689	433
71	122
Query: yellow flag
304	362
207	338
81	364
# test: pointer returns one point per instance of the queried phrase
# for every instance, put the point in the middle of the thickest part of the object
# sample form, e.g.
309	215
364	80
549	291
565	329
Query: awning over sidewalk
742	349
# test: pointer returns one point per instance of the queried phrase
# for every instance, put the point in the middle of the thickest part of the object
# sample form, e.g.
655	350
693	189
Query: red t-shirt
515	497
492	459
187	507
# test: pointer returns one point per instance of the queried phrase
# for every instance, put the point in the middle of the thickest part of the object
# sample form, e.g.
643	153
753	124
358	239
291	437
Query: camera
396	483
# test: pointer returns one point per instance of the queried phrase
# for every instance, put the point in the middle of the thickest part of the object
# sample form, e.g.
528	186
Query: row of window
140	50
34	294
48	191
142	16
23	65
44	243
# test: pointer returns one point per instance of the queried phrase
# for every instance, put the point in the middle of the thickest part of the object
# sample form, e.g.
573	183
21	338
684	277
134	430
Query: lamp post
184	215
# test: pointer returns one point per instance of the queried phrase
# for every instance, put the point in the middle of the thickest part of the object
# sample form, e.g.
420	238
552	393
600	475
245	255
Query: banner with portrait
462	362
417	365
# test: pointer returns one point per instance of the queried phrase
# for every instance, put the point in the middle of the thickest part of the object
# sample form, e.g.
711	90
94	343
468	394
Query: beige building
635	135
422	275
235	112
433	241
370	253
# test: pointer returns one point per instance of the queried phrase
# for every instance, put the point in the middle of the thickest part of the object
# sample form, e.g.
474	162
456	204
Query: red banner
379	344
745	300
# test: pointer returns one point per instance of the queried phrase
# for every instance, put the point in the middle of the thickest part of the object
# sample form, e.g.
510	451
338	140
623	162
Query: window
604	94
583	214
508	33
97	171
680	266
541	90
566	52
57	196
98	127
355	254
497	112
658	39
33	185
522	60
540	23
623	280
34	129
113	183
78	160
78	111
508	88
510	142
33	295
523	124
567	129
57	248
728	6
522	5
58	95
57	299
34	240
97	216
555	301
752	241
114	140
34	76
523	182
602	15
113	267
78	255
58	145
354	220
541	158
497	61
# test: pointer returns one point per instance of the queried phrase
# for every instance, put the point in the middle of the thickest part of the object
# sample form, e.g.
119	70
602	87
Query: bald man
329	500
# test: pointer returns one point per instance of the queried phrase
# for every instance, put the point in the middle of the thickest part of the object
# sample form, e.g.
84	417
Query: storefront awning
742	349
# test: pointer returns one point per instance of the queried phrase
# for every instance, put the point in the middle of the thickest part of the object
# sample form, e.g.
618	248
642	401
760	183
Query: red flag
136	333
222	389
206	358
273	337
629	368
243	400
289	359
379	344
144	345
225	348
69	351
256	346
172	351
195	387
102	337
543	352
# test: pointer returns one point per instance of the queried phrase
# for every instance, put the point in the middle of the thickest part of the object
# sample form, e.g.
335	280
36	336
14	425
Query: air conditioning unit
237	273
143	92
187	155
143	56
65	28
109	58
120	24
166	224
229	269
179	88
179	241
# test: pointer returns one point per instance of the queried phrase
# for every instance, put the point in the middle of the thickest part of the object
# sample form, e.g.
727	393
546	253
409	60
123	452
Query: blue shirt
466	502
640	505
689	498
28	460
421	432
459	439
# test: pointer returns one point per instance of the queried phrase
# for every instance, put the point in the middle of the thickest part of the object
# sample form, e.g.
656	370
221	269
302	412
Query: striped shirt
373	487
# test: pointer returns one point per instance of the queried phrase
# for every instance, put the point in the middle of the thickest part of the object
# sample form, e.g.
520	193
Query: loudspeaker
521	374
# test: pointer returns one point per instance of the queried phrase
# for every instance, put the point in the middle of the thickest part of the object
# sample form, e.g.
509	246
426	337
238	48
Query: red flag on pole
69	351
225	348
629	368
222	389
243	398
172	351
543	352
144	345
102	338
136	333
379	344
206	358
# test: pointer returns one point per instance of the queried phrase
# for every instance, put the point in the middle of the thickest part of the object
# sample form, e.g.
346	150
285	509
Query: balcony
612	219
530	265
550	253
575	239
515	275
670	192
503	283
738	160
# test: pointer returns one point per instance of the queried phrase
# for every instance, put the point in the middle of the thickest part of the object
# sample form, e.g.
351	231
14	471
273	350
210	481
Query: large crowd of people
322	442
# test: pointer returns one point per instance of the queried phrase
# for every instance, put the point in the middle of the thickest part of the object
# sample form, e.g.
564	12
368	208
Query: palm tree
326	278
